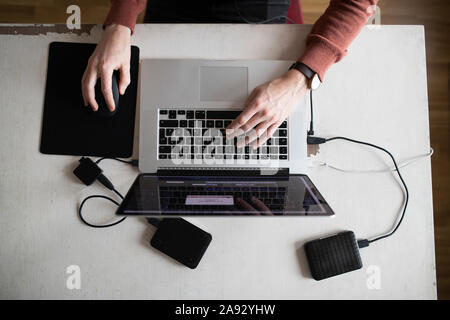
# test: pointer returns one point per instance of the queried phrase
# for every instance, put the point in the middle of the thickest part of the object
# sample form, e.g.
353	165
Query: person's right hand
112	53
257	207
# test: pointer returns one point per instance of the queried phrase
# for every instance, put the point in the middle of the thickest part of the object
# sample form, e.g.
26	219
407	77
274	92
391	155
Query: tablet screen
152	195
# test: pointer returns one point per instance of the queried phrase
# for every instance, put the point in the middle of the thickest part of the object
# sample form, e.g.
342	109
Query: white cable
401	164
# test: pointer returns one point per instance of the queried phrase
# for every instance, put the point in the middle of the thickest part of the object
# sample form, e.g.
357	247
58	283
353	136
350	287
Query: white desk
378	93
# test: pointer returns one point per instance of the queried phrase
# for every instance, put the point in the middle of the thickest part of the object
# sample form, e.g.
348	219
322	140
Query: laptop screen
152	195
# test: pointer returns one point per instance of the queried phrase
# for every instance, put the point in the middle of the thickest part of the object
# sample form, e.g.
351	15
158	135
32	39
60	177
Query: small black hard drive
181	240
334	255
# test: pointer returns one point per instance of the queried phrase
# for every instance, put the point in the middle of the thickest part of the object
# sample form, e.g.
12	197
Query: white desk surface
378	93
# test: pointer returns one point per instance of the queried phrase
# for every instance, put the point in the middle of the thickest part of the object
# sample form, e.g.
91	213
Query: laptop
190	167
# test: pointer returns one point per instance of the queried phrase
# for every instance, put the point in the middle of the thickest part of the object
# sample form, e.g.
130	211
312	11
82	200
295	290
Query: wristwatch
313	77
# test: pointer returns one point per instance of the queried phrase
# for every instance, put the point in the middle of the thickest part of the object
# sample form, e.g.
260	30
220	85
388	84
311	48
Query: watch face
315	82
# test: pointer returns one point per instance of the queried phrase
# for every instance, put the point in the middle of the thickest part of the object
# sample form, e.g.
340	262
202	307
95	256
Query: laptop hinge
222	171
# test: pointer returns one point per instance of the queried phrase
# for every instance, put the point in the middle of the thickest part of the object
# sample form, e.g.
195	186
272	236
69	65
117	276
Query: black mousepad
70	128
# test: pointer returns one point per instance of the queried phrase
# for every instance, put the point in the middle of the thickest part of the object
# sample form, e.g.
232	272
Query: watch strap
303	68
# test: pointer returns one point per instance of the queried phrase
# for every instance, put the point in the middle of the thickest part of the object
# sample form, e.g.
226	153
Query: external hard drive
334	255
181	240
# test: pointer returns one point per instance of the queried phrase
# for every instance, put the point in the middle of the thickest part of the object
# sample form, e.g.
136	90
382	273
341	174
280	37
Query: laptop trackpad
223	83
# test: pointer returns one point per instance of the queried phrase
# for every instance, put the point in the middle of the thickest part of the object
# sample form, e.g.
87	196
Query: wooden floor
433	14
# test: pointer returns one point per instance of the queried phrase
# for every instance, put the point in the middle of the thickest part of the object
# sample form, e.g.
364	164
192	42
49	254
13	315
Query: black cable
319	140
108	184
399	175
132	162
153	221
118	193
103	197
311	128
259	22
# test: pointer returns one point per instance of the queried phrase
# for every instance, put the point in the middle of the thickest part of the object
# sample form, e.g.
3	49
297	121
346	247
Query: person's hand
267	107
257	207
112	53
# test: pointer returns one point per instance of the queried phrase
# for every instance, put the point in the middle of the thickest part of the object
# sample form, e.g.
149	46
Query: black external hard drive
181	240
334	255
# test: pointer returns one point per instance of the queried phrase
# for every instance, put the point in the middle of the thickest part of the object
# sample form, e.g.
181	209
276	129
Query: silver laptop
189	103
189	166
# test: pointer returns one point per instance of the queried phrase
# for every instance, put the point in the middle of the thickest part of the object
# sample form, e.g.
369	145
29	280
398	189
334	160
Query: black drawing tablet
68	127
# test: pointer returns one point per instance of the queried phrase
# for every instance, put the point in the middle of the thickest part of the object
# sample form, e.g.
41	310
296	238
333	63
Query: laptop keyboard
174	197
200	134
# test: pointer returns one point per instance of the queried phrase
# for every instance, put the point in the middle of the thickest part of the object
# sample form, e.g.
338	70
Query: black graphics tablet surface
293	195
70	128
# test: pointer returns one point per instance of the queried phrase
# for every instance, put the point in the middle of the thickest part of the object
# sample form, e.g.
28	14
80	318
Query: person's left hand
267	107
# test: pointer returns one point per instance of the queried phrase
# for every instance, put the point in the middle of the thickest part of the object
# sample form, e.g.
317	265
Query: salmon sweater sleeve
125	12
327	43
334	31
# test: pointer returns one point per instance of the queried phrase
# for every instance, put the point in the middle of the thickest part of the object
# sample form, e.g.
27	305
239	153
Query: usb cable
88	172
312	140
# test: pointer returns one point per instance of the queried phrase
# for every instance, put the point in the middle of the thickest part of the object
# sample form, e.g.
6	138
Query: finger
261	131
231	133
268	134
124	78
255	120
250	109
253	133
82	90
261	121
261	206
88	89
245	206
243	118
249	137
241	142
107	87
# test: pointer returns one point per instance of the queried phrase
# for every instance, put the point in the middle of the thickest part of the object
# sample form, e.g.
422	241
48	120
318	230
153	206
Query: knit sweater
327	43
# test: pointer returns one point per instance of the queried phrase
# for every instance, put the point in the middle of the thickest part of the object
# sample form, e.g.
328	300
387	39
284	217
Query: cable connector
363	243
315	140
87	171
105	181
